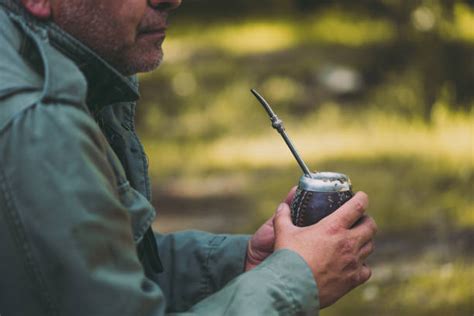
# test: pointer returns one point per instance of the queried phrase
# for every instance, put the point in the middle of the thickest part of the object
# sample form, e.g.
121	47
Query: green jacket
75	216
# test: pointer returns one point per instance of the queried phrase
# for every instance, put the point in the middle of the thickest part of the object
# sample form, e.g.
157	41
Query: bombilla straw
278	125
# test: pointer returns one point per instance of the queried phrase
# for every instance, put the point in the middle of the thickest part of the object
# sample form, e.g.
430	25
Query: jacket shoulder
20	83
32	70
16	70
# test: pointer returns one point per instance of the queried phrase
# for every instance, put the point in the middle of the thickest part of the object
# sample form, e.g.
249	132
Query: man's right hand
335	248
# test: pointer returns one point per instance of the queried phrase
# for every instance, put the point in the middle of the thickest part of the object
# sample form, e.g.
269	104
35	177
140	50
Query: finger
364	230
351	211
291	195
282	218
364	274
366	250
266	230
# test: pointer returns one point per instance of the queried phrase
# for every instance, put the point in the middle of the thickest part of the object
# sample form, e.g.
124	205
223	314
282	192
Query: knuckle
350	263
371	247
366	274
332	228
351	244
359	207
373	226
355	279
353	263
347	246
361	276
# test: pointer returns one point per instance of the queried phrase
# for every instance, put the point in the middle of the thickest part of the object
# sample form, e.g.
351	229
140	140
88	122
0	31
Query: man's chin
145	62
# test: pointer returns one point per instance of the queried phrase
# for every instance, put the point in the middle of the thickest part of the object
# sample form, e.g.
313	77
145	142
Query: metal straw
278	125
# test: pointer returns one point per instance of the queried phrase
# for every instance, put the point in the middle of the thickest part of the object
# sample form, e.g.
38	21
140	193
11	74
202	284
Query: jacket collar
105	84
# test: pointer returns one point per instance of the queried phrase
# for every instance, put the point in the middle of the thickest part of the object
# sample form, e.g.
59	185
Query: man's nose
164	5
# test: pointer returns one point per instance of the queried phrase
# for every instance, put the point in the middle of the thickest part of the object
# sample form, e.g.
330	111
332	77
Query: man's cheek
133	12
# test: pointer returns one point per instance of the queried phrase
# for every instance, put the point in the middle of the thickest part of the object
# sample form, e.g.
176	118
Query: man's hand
335	248
262	242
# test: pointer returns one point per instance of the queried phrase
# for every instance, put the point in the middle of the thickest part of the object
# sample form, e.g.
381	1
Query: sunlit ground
217	164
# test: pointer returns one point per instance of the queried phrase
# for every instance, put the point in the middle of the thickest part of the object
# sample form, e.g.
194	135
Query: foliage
296	61
419	178
377	89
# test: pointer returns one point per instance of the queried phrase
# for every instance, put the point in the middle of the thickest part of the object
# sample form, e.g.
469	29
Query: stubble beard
139	59
88	25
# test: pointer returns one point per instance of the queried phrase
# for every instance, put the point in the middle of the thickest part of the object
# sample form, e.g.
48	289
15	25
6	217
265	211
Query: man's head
126	33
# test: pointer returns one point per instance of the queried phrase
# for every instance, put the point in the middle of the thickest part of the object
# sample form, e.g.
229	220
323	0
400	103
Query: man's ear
38	8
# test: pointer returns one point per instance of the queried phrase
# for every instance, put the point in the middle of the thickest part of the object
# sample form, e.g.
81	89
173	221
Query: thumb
282	218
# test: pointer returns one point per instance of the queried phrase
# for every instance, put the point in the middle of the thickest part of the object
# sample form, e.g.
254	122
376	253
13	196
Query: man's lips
152	31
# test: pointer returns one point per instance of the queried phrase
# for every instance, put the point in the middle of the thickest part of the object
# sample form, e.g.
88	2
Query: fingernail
280	207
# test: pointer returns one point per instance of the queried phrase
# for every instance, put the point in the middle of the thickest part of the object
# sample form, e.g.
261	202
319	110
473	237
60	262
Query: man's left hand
261	244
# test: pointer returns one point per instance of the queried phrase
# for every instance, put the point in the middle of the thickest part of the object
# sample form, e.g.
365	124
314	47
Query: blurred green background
381	90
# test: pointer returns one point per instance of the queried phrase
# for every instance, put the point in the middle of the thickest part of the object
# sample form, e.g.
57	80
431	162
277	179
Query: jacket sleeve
282	285
197	264
67	243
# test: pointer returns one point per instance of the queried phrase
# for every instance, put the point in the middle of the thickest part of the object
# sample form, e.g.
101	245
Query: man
75	215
